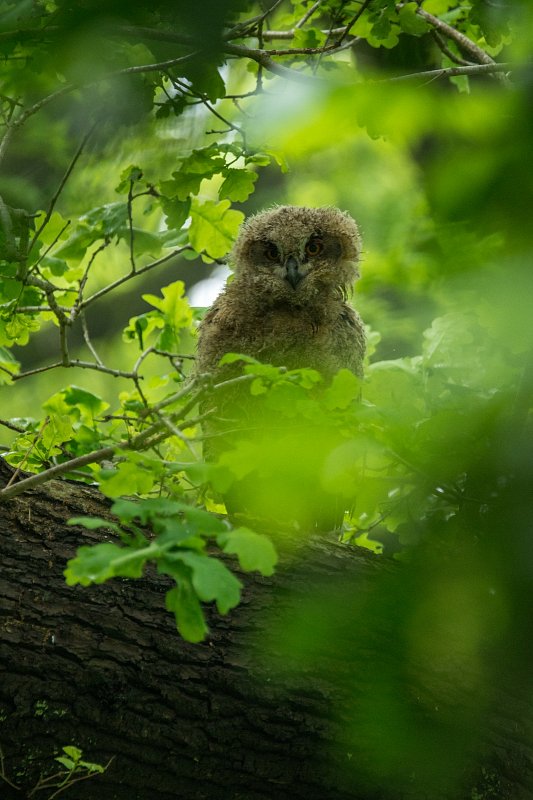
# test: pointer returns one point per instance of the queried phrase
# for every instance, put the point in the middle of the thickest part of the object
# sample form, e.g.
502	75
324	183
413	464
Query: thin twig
61	186
263	58
43	255
130	224
432	74
20	120
245	28
443	47
87	338
463	41
308	14
270	35
81	286
354	19
117	373
11	425
130	275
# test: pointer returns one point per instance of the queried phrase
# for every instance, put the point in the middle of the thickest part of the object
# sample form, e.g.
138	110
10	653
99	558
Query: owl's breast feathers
325	337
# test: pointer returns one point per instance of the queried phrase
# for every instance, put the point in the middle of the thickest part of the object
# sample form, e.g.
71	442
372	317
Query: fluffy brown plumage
262	314
286	306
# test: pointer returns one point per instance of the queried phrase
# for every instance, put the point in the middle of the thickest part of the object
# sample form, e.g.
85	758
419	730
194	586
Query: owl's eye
271	252
314	247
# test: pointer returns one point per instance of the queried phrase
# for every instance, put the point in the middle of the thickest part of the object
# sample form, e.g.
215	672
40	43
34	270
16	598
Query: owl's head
296	254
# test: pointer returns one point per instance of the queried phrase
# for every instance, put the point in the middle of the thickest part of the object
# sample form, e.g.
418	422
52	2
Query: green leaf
254	550
90	767
131	174
205	78
411	22
232	358
343	390
308	37
67	762
183	602
177	314
176	211
109	220
212	580
238	185
182	185
126	478
438	6
93	523
82	398
214	227
101	562
74	752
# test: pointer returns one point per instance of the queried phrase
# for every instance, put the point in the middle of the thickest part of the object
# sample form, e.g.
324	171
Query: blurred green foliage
141	135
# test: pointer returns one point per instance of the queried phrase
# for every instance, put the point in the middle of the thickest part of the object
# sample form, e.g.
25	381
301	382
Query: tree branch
144	440
463	41
432	74
130	275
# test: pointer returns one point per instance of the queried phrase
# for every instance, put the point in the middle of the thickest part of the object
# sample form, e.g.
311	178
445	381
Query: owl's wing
349	341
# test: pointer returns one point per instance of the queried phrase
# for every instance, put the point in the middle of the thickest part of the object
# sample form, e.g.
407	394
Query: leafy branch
196	389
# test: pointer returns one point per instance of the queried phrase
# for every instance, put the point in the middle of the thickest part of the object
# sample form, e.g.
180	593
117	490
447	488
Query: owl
286	306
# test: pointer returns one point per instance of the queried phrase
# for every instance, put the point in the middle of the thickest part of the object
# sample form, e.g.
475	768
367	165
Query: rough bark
104	669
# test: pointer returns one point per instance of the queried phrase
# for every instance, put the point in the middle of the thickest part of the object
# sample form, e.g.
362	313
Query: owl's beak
293	275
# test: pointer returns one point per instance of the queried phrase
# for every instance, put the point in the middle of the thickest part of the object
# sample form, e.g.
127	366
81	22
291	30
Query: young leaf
212	580
410	21
93	523
254	550
100	562
343	390
127	478
184	603
232	358
213	227
238	185
74	752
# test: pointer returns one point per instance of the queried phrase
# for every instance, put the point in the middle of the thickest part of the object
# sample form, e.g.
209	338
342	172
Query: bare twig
61	186
130	275
11	425
81	286
443	47
264	59
463	41
432	74
353	20
271	35
88	342
245	28
21	119
50	246
98	367
308	14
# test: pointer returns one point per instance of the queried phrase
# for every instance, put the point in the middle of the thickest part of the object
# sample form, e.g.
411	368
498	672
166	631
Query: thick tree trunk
103	668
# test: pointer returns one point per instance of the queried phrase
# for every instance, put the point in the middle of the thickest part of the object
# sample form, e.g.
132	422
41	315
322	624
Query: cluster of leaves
179	549
74	768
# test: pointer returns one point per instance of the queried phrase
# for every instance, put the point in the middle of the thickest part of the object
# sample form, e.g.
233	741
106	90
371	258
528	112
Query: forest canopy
136	137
